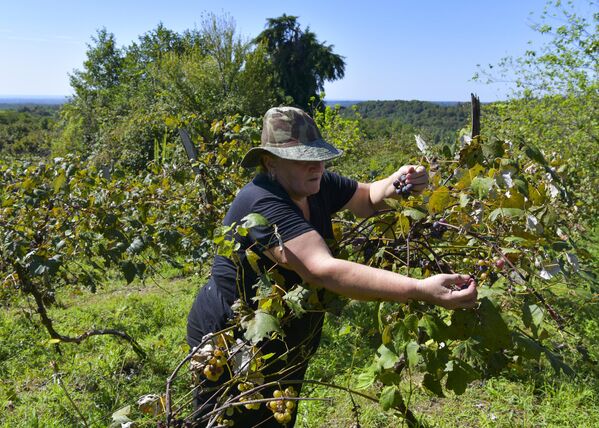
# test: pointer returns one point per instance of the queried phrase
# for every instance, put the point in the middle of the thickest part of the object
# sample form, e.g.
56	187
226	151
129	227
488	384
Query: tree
301	62
129	100
555	101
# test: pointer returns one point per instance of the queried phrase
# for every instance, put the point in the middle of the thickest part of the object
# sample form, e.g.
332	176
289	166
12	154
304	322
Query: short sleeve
337	190
285	222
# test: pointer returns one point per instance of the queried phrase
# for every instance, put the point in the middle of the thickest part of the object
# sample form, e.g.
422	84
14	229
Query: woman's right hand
451	291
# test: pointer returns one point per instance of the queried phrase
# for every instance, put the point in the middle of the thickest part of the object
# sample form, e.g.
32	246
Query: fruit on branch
213	372
282	409
500	263
401	187
438	229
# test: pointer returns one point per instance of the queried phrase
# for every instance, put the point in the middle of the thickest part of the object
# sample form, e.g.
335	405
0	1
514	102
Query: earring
272	176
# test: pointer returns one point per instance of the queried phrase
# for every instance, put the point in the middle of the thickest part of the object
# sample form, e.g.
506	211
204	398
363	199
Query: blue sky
403	49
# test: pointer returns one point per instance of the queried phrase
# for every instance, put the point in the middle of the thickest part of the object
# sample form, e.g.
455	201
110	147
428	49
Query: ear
269	162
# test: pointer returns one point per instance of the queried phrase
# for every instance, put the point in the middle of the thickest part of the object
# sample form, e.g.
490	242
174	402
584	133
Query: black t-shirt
212	307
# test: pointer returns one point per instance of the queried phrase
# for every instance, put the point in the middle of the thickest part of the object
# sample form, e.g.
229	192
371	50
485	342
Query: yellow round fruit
211	374
277	393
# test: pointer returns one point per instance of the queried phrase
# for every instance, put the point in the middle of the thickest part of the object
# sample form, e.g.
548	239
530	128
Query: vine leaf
459	375
433	384
412	349
253	220
390	397
260	326
414	214
367	378
129	270
481	186
388	358
296	299
439	200
532	316
505	212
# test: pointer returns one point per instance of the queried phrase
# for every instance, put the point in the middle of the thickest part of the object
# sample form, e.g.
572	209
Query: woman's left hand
416	175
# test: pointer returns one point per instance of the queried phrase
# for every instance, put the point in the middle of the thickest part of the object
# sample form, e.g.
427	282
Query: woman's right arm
309	256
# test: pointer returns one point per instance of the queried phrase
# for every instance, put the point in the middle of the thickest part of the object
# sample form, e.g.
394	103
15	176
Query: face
299	178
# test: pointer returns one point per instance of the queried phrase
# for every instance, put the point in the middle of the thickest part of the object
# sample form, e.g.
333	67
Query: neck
302	203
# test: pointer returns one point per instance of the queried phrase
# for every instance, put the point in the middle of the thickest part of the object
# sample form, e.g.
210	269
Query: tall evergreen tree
301	62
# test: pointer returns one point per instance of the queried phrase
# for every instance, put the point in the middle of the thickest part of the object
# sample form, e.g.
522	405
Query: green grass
103	374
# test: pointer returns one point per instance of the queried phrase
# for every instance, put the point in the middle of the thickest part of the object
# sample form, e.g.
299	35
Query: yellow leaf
439	200
402	225
252	259
516	200
337	231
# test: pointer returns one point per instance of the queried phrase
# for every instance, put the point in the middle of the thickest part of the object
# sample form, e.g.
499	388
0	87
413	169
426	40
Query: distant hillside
16	102
439	121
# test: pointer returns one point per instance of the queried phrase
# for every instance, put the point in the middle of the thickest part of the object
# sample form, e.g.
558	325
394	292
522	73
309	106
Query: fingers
417	176
466	297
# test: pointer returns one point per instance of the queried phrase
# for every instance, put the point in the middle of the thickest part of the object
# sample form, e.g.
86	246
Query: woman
296	193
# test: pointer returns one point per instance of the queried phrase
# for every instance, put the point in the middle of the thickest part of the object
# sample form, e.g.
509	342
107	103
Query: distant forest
437	122
26	129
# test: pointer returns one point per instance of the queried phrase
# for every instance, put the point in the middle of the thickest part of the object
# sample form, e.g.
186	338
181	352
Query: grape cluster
488	269
246	386
438	229
214	367
283	409
401	187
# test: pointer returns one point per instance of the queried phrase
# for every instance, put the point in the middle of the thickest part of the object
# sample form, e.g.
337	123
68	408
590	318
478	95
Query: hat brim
318	150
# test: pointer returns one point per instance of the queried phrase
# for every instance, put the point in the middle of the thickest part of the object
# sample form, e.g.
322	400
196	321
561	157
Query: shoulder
261	196
333	182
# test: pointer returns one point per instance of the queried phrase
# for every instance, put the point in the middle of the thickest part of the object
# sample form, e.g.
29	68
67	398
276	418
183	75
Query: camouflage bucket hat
289	133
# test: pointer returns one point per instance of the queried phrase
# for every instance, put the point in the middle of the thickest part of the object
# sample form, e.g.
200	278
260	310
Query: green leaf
463	323
460	374
390	397
414	214
558	364
411	323
253	220
506	212
434	327
296	299
260	326
129	271
481	186
366	379
433	384
493	329
387	358
439	200
412	356
121	417
136	246
535	154
493	149
527	347
58	182
532	316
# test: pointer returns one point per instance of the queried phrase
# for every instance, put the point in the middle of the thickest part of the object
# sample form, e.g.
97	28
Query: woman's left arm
370	197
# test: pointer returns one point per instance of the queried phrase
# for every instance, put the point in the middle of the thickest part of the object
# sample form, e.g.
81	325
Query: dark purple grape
396	184
402	177
409	187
